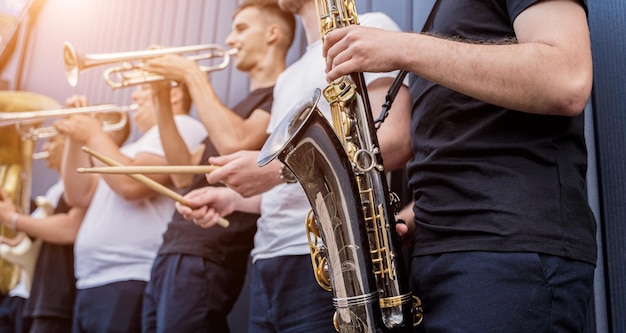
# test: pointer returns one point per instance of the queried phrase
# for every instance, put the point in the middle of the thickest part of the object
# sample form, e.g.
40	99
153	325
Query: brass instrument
24	119
340	168
128	73
15	169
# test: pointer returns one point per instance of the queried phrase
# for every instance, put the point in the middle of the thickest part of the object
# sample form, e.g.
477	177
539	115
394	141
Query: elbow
397	157
573	104
130	194
81	201
181	183
575	94
127	191
68	237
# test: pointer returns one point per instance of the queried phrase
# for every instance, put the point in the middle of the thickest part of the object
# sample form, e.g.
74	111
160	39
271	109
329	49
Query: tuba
15	172
355	250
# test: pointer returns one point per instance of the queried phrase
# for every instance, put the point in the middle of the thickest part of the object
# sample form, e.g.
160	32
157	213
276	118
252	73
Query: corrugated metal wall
120	25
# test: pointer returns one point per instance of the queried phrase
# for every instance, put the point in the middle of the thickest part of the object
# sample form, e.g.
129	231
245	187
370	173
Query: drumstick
170	169
155	186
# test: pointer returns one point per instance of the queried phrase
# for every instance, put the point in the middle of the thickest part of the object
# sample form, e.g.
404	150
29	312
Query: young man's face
249	35
145	116
54	146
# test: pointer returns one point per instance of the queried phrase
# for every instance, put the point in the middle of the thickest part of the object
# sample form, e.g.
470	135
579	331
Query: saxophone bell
288	127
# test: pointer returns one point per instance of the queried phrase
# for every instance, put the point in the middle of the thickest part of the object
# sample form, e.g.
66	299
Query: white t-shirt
118	239
280	229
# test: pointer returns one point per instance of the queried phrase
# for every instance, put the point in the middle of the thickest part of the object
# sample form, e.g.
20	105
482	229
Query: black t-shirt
226	246
54	285
491	179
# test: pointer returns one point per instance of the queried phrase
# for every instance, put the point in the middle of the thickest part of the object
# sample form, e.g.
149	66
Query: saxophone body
355	250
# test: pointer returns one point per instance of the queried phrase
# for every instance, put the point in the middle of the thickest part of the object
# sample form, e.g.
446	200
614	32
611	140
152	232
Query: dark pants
12	318
51	325
502	292
190	294
284	297
114	307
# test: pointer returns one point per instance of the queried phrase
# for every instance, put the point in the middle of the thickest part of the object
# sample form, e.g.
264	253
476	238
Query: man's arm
175	149
394	134
242	133
240	172
547	71
84	130
56	228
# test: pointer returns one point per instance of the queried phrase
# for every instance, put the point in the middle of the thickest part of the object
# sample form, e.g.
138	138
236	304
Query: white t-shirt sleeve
190	129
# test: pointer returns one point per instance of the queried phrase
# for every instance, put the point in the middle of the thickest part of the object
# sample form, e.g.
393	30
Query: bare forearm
176	152
250	205
79	188
542	85
547	69
226	129
57	228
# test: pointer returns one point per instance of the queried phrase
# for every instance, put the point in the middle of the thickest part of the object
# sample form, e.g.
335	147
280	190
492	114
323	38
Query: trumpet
129	73
29	118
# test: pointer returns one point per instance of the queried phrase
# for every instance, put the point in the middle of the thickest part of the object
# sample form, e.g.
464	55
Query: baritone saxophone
355	250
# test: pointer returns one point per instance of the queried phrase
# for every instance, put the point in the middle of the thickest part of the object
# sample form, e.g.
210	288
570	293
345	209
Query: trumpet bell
72	65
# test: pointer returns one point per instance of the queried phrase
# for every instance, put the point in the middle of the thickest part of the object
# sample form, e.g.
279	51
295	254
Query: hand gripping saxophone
355	250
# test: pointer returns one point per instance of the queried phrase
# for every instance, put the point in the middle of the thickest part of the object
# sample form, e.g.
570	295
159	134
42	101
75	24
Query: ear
176	95
273	34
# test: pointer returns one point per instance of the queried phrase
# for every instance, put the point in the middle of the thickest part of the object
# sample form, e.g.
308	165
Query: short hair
272	8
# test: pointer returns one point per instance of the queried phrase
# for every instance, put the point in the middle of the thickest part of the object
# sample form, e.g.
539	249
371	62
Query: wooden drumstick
155	186
169	169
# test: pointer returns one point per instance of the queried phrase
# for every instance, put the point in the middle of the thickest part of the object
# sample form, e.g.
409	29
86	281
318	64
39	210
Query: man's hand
240	172
208	204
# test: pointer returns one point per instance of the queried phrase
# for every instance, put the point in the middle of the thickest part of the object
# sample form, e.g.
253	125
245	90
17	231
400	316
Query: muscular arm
248	133
242	133
548	70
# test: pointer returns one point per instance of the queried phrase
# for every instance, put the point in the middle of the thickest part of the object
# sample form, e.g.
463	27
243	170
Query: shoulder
378	20
191	129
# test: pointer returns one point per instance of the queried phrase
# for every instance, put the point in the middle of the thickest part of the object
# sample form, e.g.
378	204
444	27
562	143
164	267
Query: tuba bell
15	170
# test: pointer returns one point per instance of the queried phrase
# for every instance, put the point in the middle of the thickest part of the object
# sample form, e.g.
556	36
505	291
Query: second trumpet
128	70
25	120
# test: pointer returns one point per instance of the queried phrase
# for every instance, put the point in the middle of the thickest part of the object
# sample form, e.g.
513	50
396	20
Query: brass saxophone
355	250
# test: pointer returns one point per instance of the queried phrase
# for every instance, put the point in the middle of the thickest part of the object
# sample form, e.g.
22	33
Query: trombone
26	118
128	73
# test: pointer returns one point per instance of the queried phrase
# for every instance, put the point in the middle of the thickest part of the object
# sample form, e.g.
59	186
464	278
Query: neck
266	72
